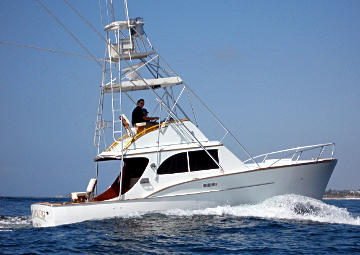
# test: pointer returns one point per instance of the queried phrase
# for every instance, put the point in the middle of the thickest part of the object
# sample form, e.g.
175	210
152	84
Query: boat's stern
42	215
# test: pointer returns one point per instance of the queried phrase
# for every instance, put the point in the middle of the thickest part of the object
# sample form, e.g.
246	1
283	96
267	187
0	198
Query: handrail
142	133
294	151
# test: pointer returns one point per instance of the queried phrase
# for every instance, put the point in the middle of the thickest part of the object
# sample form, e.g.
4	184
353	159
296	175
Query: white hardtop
124	24
143	84
170	136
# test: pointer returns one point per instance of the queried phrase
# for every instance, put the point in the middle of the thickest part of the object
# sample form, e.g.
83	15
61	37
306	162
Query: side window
174	164
135	167
200	160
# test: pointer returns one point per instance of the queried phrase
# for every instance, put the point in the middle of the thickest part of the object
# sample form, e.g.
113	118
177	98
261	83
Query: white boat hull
307	179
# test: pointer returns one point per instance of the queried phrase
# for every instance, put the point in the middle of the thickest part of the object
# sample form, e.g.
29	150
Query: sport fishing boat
170	163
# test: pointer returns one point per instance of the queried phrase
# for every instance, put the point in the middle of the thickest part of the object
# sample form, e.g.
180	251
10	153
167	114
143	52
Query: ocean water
287	224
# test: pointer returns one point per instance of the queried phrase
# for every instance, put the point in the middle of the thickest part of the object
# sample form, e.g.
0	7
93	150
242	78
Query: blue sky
280	74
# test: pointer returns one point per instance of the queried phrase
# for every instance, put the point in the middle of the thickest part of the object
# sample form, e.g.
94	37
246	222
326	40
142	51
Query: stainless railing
295	154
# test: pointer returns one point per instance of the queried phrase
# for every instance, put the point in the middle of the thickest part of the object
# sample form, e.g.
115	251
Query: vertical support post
121	125
321	152
128	21
158	141
97	175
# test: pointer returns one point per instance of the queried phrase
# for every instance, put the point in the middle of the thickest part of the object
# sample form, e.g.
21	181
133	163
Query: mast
131	64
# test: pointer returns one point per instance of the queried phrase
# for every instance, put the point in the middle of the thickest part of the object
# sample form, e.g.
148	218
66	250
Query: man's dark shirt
137	115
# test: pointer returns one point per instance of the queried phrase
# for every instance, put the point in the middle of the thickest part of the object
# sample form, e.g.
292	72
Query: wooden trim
142	133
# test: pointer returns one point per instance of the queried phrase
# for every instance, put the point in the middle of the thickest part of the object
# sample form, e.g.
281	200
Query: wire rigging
69	32
48	50
85	20
101	17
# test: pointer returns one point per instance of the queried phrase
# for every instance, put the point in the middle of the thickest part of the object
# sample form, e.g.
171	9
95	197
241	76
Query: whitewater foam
10	222
288	207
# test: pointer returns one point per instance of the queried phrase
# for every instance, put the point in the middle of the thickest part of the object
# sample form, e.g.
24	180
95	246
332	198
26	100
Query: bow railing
295	154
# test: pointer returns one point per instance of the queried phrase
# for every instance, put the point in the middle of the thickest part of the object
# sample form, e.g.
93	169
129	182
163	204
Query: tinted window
174	164
135	166
200	160
133	169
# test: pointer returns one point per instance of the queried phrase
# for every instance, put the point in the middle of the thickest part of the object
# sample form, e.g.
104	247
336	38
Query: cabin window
174	164
133	170
200	160
135	166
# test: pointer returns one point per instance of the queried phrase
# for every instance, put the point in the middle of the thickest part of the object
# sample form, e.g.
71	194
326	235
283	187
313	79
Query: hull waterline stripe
150	198
220	190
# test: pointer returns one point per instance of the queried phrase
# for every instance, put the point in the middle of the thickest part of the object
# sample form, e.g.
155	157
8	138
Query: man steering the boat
139	115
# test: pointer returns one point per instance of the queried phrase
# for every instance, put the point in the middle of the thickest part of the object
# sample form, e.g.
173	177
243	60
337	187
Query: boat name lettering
39	214
207	185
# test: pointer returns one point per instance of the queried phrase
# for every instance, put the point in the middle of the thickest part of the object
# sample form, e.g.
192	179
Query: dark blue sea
280	225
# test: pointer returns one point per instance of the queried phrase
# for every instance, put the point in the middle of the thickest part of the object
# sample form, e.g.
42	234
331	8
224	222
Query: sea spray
14	222
289	207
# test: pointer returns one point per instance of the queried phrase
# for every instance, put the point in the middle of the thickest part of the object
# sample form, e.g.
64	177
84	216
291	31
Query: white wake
8	223
289	207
